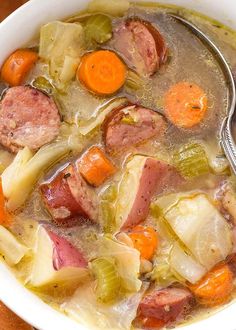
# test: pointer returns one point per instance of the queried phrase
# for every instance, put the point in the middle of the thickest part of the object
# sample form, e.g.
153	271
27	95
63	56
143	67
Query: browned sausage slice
69	199
141	45
27	118
168	305
130	126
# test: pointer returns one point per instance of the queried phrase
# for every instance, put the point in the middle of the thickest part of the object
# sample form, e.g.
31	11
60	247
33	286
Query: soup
117	202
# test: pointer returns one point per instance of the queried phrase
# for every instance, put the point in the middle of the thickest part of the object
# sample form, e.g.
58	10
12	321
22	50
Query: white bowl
16	31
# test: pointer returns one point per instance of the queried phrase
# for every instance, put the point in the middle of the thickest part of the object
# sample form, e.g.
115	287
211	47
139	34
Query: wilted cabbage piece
201	227
98	28
100	114
127	261
19	178
61	45
11	249
111	7
96	315
186	265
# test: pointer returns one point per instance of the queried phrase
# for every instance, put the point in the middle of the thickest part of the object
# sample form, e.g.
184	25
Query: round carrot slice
185	104
102	72
215	287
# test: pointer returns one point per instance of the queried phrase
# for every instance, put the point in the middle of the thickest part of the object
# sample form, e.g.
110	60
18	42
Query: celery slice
43	85
191	160
98	28
108	279
134	81
107	209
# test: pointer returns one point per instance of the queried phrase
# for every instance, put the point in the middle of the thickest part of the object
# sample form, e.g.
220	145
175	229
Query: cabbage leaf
85	309
61	46
19	178
127	261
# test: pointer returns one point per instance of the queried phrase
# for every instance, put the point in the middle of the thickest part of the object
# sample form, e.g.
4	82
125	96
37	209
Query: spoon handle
228	144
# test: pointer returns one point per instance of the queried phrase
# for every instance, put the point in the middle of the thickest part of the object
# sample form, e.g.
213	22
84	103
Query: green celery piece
107	209
191	160
43	85
108	279
134	81
98	28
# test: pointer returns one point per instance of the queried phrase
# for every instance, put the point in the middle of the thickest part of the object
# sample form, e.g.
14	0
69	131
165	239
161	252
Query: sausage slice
141	45
168	305
131	125
27	118
69	199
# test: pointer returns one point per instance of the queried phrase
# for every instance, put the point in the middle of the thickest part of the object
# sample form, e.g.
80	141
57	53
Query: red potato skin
69	199
141	45
28	117
156	177
118	135
65	254
168	305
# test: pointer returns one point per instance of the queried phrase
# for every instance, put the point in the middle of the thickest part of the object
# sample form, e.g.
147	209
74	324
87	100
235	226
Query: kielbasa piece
141	45
27	118
168	305
69	199
144	177
130	126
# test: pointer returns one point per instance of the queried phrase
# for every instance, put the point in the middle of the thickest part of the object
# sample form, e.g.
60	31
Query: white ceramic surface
16	31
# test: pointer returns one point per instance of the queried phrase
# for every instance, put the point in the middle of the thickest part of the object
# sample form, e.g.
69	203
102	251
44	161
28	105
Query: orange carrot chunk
145	240
102	72
95	167
17	66
150	323
5	217
185	104
215	287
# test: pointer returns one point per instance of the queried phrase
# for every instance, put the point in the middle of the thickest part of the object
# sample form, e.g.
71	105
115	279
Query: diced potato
56	261
143	177
12	250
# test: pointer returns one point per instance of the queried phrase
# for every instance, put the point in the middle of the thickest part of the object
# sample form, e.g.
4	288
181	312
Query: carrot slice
185	104
17	66
150	323
102	72
5	217
95	167
10	321
215	287
145	240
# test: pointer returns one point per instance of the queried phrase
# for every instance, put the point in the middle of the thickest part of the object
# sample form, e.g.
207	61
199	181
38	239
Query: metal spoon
226	137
